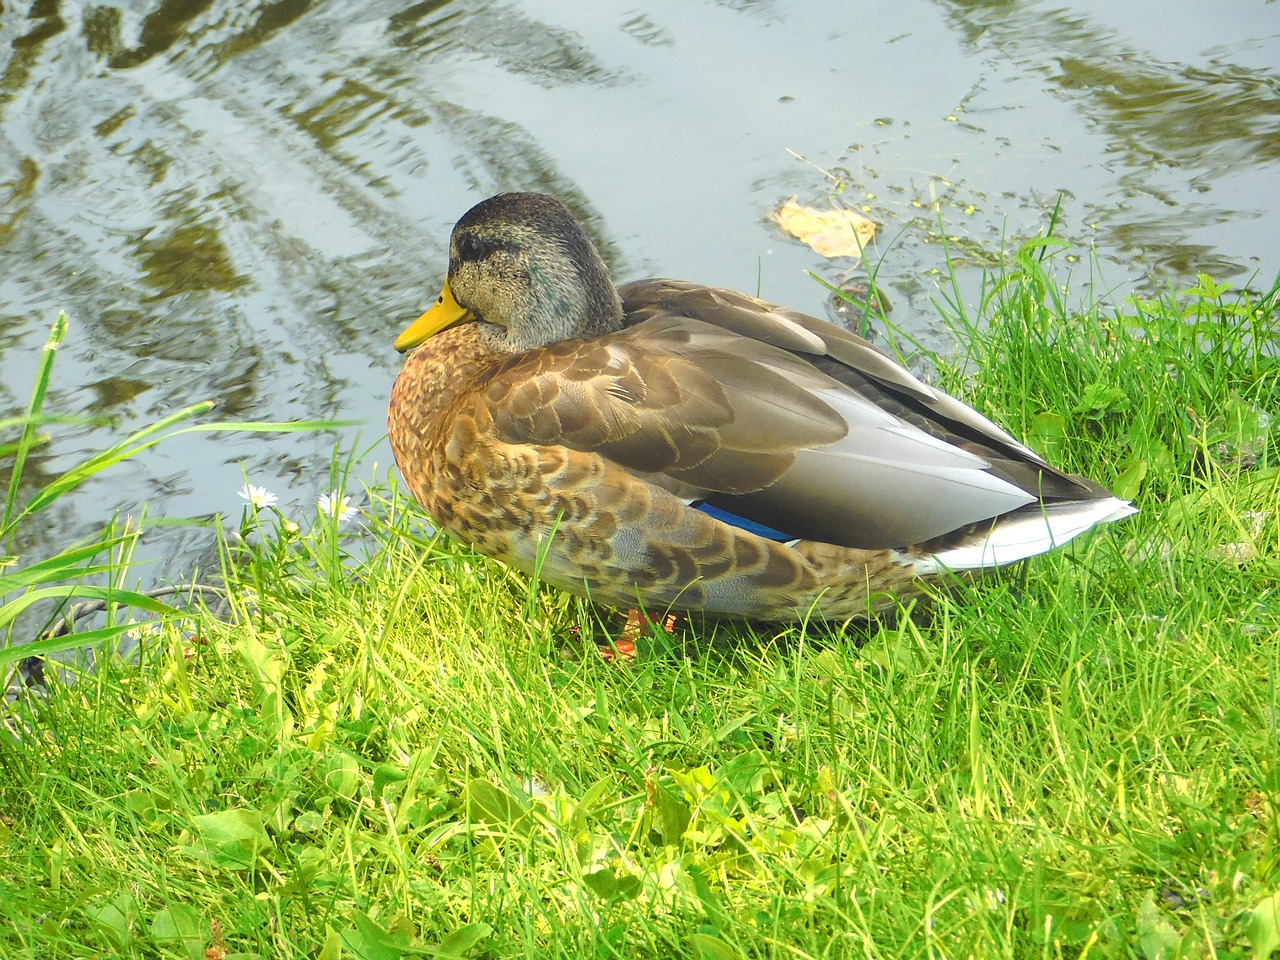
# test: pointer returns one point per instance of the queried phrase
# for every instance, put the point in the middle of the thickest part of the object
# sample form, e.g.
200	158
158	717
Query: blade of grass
44	373
70	641
150	436
81	591
62	566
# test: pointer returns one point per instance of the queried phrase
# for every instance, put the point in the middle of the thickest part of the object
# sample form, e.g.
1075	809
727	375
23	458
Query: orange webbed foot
623	649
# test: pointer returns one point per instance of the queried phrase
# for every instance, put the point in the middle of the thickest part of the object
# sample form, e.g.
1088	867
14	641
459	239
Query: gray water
245	201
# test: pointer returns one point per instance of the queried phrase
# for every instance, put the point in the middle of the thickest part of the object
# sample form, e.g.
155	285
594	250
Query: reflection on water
188	258
1174	127
245	200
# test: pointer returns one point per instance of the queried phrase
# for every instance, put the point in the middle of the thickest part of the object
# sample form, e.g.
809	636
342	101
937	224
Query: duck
665	446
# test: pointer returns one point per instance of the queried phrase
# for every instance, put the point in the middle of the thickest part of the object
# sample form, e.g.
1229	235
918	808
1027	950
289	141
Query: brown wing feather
866	369
648	401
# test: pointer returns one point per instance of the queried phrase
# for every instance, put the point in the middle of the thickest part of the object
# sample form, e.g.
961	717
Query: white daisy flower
334	504
259	497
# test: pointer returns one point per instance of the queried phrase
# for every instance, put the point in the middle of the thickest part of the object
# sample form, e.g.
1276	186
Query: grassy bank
409	751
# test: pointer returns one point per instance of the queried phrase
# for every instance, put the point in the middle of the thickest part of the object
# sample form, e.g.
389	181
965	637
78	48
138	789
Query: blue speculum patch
742	523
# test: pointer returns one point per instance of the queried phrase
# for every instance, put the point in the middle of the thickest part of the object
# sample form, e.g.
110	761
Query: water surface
245	201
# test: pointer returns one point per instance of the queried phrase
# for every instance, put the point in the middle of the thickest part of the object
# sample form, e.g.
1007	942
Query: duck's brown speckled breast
503	499
437	384
491	495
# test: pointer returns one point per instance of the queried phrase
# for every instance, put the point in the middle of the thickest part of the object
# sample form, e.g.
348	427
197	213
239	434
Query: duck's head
524	270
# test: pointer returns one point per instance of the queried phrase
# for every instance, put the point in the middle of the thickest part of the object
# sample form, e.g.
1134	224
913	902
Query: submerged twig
32	668
88	607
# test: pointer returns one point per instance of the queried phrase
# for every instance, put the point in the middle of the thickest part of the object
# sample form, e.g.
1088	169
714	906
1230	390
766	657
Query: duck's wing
774	417
861	366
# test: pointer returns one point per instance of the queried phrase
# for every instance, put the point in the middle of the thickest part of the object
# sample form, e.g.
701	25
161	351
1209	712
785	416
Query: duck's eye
472	248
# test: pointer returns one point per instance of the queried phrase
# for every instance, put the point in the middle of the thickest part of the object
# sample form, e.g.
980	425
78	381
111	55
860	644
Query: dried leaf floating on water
831	233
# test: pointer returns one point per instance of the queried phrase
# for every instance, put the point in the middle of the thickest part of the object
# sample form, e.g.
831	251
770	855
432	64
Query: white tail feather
1028	532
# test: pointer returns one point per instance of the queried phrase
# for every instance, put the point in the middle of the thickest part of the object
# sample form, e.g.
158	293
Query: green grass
412	752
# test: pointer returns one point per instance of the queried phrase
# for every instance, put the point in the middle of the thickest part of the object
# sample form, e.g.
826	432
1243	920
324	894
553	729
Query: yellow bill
446	312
